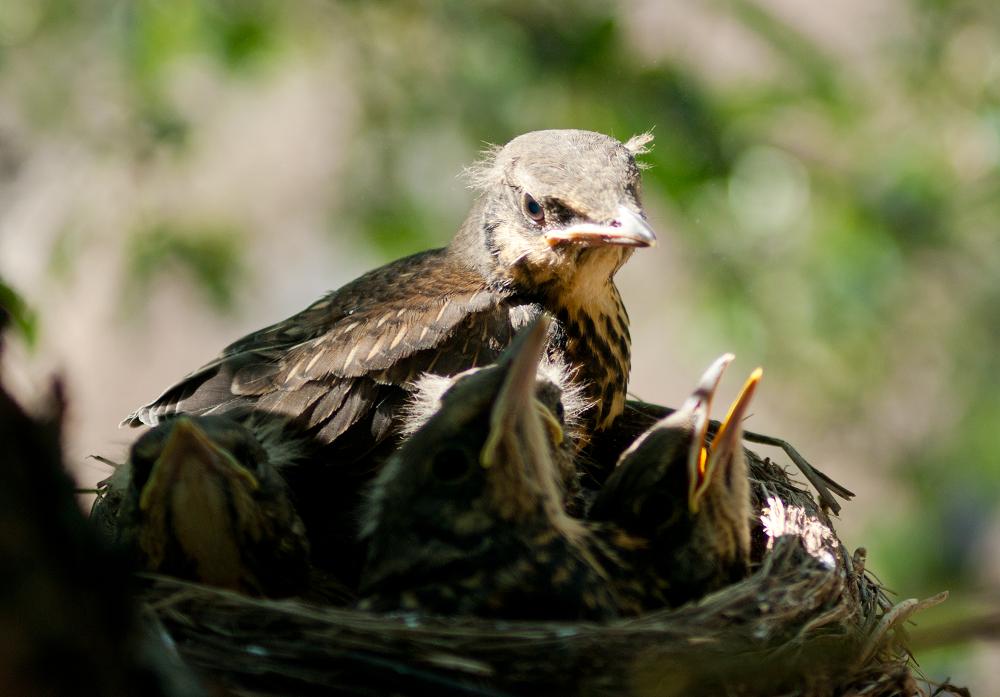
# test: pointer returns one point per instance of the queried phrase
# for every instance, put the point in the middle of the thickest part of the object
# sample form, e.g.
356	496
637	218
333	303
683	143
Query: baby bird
202	498
468	517
688	499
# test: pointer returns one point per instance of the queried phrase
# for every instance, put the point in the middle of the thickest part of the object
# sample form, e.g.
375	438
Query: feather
640	143
356	404
328	403
384	419
483	174
291	403
348	335
253	379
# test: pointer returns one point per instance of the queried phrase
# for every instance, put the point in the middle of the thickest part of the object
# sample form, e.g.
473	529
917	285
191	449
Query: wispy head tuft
483	173
640	144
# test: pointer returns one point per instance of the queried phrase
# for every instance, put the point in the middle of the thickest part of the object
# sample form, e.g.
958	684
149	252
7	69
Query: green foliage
211	255
23	317
155	35
239	35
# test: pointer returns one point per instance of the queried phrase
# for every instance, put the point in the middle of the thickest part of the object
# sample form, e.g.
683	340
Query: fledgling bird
467	517
558	400
557	216
686	497
202	498
558	213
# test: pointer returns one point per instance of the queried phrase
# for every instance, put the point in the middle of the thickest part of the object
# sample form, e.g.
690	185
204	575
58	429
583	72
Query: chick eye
534	209
451	464
248	456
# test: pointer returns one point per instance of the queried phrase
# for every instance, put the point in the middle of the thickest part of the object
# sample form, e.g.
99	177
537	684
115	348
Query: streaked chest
597	342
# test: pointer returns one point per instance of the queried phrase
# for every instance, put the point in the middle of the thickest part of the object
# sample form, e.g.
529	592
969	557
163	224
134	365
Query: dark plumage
69	624
560	405
202	498
557	215
468	517
688	499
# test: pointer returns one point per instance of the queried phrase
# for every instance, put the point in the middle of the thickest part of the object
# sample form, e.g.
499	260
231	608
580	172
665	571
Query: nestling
202	499
468	517
688	498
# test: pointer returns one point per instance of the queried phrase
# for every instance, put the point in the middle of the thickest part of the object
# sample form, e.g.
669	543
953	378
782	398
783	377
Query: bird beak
517	393
699	405
727	444
628	229
189	447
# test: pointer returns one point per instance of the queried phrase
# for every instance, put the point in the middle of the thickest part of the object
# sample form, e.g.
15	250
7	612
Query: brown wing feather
325	363
357	404
328	403
381	337
380	393
291	403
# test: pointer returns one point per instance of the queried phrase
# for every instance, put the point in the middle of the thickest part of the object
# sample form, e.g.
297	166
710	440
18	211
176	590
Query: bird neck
596	341
575	284
471	248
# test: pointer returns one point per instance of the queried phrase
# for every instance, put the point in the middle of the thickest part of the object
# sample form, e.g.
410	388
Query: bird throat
576	284
597	344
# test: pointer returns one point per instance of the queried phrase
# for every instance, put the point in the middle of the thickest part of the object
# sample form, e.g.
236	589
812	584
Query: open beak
189	447
699	405
727	444
628	229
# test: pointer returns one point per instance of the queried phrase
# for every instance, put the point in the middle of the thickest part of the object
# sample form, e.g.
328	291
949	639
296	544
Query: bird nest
809	620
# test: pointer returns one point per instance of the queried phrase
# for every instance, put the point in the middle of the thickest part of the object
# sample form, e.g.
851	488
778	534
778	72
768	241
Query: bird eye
451	464
534	209
560	411
253	457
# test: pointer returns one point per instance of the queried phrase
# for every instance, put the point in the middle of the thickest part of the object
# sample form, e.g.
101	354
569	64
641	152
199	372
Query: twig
900	612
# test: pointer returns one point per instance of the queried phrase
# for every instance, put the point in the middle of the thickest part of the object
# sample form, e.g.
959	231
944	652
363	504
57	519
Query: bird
468	516
687	498
202	498
558	213
598	458
559	402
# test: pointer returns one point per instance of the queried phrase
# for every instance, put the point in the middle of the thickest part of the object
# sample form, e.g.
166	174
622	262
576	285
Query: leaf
24	317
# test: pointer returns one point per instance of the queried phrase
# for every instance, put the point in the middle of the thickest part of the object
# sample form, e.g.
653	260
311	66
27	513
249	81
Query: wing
353	351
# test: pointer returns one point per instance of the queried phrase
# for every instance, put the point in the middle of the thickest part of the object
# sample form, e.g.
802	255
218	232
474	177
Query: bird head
216	444
556	207
680	442
559	401
477	473
196	489
718	488
688	494
717	470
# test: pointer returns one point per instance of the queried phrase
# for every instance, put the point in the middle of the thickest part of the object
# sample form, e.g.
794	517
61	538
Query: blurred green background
825	183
